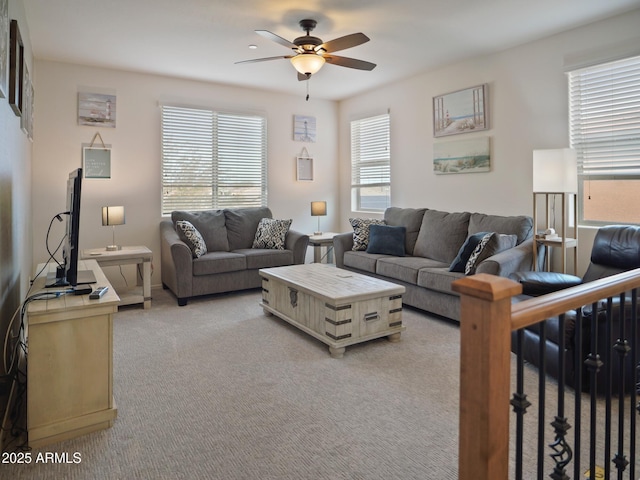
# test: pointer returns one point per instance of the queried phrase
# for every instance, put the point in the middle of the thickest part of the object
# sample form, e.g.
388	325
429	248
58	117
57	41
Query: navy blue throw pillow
469	245
386	240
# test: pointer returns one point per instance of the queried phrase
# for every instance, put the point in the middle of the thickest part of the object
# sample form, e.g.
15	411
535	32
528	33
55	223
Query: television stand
70	363
54	279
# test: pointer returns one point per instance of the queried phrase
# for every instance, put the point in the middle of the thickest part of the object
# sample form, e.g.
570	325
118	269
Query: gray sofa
231	261
432	241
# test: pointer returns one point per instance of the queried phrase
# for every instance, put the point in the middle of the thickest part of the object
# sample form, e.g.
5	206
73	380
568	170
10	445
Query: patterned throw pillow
271	233
191	236
490	244
361	231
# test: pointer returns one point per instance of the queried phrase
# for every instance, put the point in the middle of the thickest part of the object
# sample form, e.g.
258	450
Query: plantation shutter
212	160
371	163
604	103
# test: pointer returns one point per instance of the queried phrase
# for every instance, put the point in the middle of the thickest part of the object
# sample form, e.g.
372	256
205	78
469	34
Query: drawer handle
371	316
293	297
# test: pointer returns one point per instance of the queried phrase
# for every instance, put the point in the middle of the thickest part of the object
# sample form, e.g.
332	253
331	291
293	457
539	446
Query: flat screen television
67	274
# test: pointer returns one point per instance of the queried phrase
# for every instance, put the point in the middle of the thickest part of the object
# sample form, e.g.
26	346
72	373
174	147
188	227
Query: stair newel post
485	350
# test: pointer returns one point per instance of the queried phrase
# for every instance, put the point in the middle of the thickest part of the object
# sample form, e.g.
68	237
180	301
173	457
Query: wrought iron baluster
562	451
593	364
577	362
519	403
542	379
608	361
622	348
635	344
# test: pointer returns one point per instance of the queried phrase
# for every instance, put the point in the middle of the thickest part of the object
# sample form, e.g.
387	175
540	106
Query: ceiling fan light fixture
307	63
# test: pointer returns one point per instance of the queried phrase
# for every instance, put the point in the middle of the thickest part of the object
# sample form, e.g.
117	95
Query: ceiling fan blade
265	59
276	38
342	43
303	76
349	62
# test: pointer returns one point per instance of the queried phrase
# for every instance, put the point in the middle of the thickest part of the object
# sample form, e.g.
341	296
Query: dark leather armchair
616	249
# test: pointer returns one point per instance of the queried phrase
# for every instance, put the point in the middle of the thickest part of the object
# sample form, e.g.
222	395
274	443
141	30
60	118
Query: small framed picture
96	109
304	169
16	68
96	162
304	128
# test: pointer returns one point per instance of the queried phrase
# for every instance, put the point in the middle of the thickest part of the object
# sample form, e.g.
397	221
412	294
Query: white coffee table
336	306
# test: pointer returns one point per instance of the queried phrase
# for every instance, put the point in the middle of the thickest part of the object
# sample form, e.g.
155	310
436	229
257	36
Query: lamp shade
318	209
307	63
113	215
555	171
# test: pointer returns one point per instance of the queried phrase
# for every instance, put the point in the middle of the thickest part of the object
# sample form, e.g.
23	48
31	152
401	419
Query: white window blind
604	103
370	163
604	118
212	160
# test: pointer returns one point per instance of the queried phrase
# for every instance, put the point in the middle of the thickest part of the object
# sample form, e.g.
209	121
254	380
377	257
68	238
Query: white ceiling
201	39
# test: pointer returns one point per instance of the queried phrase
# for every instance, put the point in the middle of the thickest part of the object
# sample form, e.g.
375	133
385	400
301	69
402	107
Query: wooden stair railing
487	318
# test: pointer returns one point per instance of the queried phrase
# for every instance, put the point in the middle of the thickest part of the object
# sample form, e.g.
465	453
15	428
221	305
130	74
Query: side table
318	242
127	255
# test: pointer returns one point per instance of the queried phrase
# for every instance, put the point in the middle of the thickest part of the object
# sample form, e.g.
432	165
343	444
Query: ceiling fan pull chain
308	81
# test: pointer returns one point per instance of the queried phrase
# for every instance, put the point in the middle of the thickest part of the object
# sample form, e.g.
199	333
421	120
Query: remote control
98	292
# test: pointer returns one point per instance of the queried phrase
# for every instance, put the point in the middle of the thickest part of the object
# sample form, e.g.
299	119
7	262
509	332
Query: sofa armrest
516	259
297	242
342	242
176	261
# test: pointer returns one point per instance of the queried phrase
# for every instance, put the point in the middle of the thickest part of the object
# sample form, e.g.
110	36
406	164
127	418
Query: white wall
528	109
136	164
15	195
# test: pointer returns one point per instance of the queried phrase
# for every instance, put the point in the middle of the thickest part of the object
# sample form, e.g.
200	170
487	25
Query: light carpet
218	390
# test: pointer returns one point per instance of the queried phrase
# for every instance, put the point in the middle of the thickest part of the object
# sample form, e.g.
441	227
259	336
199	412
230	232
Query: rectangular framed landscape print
462	156
462	111
304	128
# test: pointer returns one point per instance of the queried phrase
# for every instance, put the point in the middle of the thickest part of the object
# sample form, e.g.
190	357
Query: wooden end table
139	255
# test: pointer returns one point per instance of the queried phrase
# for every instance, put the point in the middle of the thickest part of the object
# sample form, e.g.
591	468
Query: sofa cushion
210	224
361	231
489	245
266	257
191	236
467	248
441	235
438	279
242	224
360	260
386	240
521	226
219	262
405	269
410	218
271	233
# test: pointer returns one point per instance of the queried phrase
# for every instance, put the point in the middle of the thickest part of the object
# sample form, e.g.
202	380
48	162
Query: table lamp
112	216
318	209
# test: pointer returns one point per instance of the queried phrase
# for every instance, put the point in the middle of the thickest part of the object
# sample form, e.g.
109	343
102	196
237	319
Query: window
370	164
604	117
212	160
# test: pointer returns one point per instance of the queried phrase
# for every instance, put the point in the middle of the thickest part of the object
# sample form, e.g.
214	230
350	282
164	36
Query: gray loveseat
230	260
433	240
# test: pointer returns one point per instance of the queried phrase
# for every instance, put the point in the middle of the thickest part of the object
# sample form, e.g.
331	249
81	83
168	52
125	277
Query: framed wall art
4	46
304	128
462	111
16	68
96	109
462	156
304	169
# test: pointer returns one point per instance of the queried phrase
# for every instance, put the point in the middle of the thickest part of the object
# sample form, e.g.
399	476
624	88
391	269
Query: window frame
205	143
370	138
616	155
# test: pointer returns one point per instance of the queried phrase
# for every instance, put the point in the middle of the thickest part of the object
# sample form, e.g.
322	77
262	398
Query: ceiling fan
311	53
